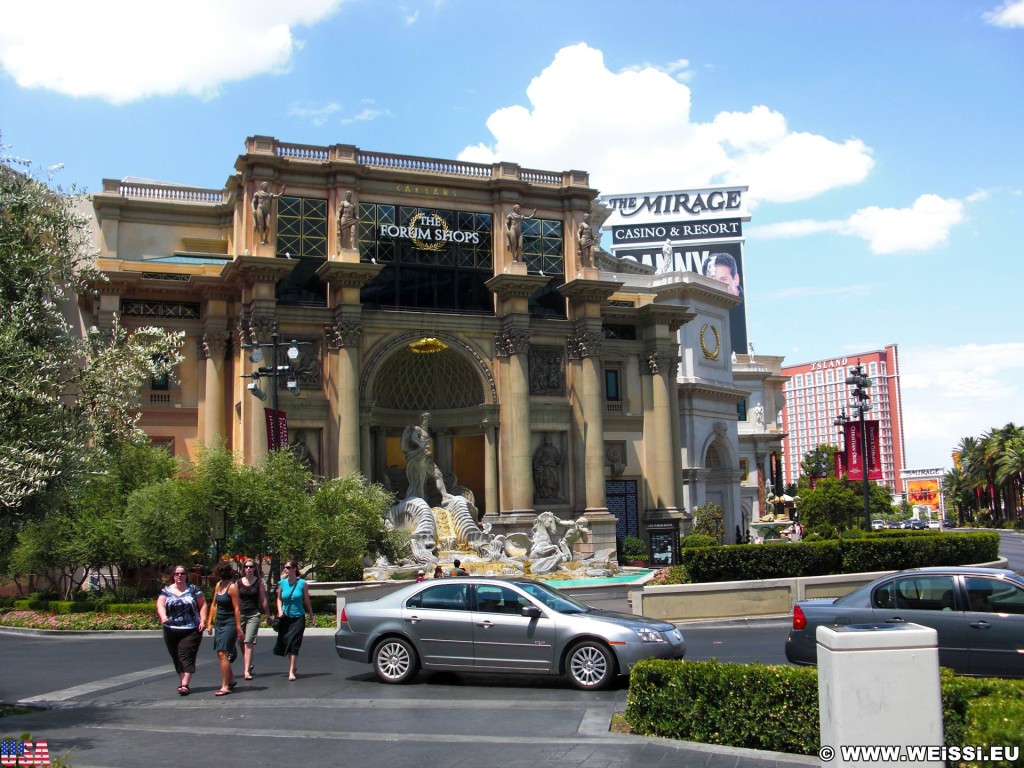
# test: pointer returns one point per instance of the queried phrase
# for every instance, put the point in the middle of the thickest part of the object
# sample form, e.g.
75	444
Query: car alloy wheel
590	666
395	661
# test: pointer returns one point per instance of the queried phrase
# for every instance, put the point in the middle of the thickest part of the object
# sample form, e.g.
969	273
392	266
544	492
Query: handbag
276	624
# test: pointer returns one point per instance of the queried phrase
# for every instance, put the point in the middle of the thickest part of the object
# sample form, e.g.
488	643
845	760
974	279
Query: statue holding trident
262	209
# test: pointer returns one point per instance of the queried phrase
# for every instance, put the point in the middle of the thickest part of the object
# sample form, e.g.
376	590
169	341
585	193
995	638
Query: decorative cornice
213	345
508	286
581	291
342	274
712	391
249	270
665	314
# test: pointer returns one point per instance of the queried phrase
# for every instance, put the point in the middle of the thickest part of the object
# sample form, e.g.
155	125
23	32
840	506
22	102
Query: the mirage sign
695	230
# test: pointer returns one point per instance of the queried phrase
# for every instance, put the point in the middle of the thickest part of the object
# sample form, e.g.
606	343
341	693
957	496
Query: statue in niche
514	231
347	221
262	210
419	460
301	452
547	471
586	242
759	415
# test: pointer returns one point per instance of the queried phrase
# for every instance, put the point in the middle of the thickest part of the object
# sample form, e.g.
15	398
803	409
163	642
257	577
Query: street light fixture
273	372
862	404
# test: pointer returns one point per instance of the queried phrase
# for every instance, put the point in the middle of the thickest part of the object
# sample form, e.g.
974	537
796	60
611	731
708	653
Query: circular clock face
710	341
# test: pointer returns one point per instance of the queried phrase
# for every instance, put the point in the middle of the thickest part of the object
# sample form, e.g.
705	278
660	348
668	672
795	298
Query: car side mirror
532	611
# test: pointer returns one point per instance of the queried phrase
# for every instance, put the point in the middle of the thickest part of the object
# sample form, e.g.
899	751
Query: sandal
183	690
232	684
222	693
251	668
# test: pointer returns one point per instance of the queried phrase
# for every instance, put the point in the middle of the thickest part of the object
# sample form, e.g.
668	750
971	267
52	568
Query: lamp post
273	372
840	422
861	404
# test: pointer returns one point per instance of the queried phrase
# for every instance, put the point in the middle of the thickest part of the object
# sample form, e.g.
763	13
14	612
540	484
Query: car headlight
649	635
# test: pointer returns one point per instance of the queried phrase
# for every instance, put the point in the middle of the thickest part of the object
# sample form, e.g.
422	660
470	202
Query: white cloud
141	49
1009	14
316	115
632	131
954	392
924	225
364	115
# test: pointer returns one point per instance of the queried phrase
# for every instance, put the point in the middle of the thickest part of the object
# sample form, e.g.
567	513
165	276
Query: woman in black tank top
252	599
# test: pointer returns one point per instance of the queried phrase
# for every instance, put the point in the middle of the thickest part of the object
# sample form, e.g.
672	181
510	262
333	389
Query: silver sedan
978	614
512	625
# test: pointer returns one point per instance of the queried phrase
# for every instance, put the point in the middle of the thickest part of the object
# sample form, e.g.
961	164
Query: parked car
934	525
877	525
506	624
947	523
916	525
978	614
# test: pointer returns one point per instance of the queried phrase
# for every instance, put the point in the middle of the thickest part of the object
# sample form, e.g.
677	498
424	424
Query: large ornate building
556	377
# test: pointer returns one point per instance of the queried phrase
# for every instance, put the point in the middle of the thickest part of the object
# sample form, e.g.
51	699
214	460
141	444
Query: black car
978	614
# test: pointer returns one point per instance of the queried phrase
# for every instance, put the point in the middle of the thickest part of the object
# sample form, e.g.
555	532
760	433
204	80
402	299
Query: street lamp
861	404
273	372
840	422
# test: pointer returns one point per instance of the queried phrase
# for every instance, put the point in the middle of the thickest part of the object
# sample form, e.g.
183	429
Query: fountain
443	525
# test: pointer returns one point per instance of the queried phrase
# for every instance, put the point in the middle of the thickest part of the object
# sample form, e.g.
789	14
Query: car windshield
552	598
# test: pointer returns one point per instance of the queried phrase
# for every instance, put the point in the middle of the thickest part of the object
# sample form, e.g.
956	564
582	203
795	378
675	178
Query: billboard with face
696	230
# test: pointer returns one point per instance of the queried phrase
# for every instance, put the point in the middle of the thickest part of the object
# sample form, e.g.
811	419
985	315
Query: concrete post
878	684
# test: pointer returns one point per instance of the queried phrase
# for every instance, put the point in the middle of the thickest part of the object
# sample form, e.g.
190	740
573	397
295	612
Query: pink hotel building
817	393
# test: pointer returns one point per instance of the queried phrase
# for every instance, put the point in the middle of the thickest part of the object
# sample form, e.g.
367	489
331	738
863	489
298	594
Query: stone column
490	470
212	349
662	460
512	346
585	349
343	338
344	281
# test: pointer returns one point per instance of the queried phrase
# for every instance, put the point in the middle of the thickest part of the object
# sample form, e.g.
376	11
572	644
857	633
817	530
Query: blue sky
881	141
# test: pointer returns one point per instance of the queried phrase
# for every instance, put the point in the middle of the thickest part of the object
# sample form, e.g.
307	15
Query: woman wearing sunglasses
292	606
182	611
252	600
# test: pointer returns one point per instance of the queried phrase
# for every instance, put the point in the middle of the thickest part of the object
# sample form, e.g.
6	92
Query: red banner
282	429
840	461
854	463
854	451
874	455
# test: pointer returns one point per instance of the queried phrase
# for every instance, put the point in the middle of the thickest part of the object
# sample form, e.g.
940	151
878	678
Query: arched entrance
444	375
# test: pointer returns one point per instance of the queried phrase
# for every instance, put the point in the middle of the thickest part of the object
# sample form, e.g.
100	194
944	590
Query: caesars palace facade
556	377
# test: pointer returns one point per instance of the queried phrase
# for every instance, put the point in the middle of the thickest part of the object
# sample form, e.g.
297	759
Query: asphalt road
111	700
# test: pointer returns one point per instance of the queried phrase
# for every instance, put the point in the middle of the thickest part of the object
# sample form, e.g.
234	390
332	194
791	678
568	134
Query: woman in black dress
226	624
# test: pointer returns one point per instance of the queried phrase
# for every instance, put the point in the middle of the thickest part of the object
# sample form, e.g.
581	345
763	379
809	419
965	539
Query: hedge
775	707
735	562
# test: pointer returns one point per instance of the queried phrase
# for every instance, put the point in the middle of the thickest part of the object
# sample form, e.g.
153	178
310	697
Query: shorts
251	625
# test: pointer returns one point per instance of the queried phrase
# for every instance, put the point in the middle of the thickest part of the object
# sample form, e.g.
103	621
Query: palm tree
973	468
957	489
1010	470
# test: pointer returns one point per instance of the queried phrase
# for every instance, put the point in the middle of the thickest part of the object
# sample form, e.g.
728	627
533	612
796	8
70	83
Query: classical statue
585	241
301	452
759	415
546	554
347	221
547	471
514	232
262	209
419	461
666	258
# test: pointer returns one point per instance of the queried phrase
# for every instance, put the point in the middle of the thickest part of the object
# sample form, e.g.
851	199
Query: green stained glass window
302	227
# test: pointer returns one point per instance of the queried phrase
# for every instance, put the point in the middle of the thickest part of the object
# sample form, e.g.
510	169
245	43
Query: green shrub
775	707
633	548
772	707
736	562
698	540
853	533
70	606
130	609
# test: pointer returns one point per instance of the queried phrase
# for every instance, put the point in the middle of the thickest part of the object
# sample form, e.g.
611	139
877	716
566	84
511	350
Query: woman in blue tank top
292	606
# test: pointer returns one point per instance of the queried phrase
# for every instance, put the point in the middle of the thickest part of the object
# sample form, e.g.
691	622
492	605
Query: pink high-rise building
817	393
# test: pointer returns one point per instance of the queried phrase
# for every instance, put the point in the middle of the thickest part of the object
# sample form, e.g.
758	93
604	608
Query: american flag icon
19	753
